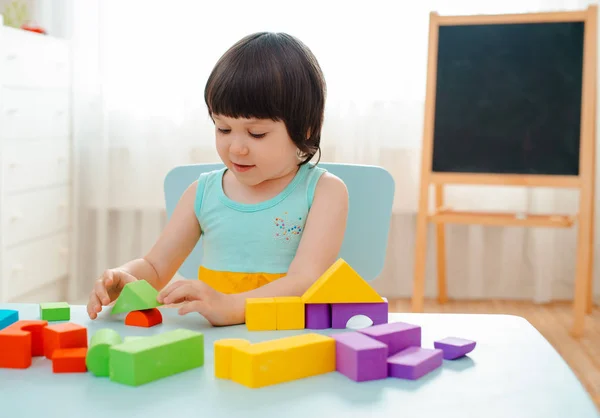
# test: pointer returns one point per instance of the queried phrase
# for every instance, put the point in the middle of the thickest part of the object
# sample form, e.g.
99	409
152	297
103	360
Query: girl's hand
106	289
218	308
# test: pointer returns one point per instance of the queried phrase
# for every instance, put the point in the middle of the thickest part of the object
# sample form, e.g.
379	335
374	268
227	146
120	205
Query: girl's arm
320	245
161	263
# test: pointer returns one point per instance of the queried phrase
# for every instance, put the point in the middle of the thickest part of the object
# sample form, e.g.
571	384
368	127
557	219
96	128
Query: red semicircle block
144	318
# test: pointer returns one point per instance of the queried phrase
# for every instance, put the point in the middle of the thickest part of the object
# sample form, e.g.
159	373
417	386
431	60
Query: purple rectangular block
342	312
454	348
414	362
359	357
317	316
397	335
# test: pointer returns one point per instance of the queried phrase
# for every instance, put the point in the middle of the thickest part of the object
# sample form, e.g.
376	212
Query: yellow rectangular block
222	352
290	312
282	360
261	314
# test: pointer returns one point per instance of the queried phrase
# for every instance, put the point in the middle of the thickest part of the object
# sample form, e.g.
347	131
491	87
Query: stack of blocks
338	295
138	299
380	351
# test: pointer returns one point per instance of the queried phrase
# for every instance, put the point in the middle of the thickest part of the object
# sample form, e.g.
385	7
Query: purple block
342	312
454	348
317	316
414	362
359	357
397	335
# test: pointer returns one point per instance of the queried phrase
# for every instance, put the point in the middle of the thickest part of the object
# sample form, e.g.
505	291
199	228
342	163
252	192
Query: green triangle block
136	296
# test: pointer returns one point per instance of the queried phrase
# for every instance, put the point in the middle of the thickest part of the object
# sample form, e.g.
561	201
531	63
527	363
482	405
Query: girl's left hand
218	308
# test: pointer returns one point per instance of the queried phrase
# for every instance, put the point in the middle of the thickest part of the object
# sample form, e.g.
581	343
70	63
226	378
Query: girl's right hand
106	289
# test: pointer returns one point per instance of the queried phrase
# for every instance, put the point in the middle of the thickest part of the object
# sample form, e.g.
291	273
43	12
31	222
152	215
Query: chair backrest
371	195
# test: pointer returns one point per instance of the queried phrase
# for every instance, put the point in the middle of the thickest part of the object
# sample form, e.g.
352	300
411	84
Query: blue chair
371	195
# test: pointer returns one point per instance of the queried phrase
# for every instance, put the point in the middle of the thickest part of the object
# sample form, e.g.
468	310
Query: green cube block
136	296
55	311
147	359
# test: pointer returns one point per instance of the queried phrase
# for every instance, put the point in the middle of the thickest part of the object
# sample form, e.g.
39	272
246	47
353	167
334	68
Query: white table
512	373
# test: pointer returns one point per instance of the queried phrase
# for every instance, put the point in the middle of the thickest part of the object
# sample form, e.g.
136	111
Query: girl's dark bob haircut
274	76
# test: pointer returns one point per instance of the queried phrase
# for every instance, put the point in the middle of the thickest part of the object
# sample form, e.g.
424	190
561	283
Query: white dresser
35	156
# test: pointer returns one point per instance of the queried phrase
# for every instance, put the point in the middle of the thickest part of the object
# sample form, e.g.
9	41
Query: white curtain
140	68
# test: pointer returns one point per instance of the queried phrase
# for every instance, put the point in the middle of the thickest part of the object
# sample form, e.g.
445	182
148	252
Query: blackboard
508	98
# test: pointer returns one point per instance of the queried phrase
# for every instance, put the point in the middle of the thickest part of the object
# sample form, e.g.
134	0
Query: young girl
271	221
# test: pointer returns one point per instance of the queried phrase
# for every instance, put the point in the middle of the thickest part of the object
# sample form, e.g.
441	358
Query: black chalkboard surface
508	98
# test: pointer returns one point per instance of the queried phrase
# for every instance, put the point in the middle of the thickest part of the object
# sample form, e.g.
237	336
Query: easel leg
440	230
418	294
582	268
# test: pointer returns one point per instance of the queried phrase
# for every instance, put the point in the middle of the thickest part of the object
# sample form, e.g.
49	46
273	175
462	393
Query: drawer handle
14	164
11	57
11	112
16	217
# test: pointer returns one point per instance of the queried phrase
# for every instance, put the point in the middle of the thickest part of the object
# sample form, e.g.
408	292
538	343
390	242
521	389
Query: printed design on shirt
288	228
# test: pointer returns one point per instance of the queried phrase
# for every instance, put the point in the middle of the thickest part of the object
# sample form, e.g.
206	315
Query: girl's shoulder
205	182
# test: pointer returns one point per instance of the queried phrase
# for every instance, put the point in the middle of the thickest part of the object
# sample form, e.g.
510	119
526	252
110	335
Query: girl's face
255	150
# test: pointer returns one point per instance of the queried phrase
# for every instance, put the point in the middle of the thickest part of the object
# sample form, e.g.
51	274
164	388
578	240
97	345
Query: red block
69	360
144	318
65	335
21	341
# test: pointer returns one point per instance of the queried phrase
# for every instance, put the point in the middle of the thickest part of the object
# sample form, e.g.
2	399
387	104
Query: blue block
8	317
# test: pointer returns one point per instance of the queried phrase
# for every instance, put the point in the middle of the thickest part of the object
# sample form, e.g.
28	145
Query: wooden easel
584	182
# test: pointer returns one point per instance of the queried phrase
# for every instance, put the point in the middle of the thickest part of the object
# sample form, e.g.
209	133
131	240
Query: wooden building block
359	357
96	359
414	362
261	314
21	341
147	359
145	318
136	296
55	311
290	313
8	317
396	335
454	347
69	360
282	360
67	335
222	352
342	312
341	284
317	316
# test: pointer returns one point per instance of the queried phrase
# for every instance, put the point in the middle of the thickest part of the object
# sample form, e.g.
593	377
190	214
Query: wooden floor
553	321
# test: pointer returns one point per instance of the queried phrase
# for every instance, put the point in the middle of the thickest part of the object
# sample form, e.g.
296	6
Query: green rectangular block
144	360
55	311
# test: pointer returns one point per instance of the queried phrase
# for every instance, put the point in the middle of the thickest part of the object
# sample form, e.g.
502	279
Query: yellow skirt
232	282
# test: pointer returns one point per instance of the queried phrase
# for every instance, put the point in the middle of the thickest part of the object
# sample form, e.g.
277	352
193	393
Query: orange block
21	341
65	335
69	360
144	318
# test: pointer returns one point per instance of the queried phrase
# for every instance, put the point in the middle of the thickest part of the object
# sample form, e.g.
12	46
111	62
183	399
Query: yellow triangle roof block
341	284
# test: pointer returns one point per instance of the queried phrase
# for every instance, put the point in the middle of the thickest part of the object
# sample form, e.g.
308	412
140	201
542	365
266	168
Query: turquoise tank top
253	238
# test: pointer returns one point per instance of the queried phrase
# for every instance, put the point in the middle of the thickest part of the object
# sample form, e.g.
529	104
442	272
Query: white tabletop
513	372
